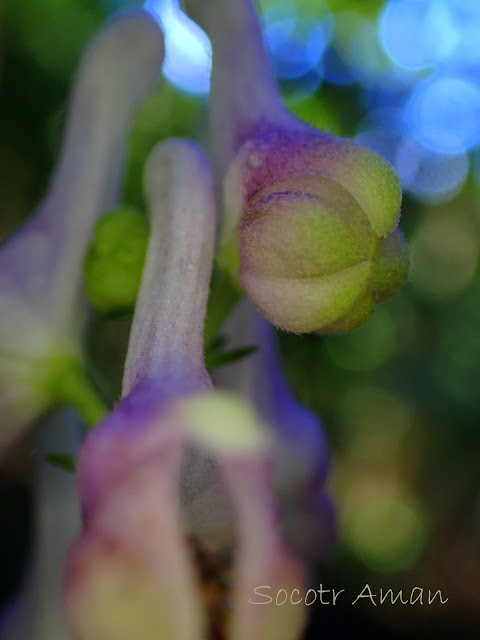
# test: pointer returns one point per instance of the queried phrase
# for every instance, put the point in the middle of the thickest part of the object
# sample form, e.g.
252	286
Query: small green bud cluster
114	261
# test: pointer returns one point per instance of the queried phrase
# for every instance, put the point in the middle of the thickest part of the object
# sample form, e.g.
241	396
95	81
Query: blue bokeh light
427	175
188	52
418	66
337	69
424	33
297	45
468	51
435	44
443	113
430	176
380	139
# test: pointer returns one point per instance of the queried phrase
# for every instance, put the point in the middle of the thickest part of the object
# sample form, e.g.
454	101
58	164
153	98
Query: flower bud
310	233
114	262
304	212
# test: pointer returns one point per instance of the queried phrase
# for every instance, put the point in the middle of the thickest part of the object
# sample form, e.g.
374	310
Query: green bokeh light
367	348
387	534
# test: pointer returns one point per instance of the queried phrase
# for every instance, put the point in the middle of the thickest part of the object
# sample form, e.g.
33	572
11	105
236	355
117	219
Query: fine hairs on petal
167	333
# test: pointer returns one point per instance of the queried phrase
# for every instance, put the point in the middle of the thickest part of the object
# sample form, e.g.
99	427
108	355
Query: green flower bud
114	262
311	229
305	213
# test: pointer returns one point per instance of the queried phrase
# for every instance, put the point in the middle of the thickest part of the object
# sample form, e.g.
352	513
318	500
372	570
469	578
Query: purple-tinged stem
120	66
166	339
243	89
278	404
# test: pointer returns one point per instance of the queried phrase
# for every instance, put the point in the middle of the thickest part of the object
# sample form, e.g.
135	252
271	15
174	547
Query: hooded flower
310	220
172	444
42	308
300	451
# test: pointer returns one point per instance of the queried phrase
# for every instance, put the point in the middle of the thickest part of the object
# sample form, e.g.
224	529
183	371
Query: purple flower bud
43	310
306	214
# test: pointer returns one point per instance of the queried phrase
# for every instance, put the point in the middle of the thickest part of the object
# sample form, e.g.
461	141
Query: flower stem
166	339
243	87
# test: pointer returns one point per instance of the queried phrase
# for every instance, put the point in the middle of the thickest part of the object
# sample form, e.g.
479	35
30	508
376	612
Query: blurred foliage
114	262
166	113
399	397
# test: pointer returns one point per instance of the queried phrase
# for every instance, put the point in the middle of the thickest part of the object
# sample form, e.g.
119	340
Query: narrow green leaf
63	461
217	359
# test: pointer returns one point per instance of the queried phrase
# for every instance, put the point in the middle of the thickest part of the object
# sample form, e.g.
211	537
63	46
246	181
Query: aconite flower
170	445
300	450
309	226
42	308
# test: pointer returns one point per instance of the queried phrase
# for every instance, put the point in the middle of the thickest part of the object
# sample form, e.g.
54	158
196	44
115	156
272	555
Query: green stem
68	384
